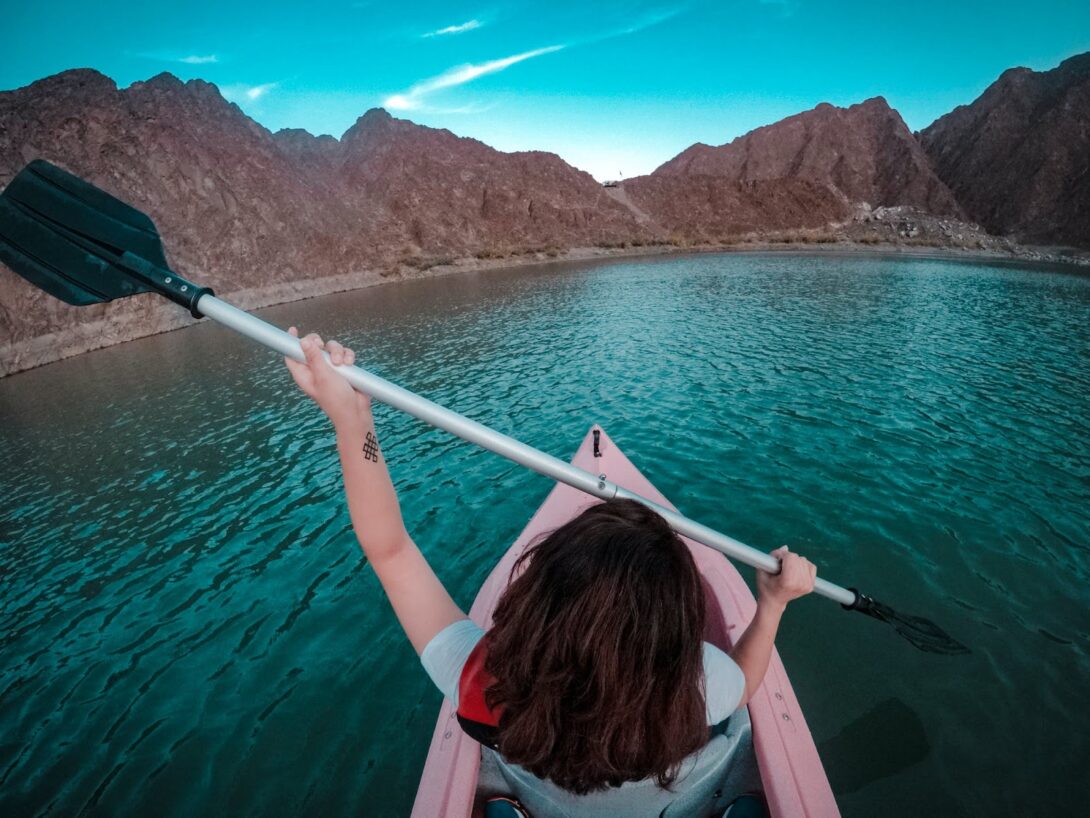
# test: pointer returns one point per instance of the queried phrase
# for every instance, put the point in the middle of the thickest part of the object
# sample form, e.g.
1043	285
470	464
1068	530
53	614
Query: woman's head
597	652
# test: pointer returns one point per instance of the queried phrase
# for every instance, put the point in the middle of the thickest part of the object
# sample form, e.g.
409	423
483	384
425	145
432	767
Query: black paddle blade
67	236
82	245
922	633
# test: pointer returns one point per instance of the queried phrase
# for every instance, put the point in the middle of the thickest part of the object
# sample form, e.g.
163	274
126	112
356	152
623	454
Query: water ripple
188	626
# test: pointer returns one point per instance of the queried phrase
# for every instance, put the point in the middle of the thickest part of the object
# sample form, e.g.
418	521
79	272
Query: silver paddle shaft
553	467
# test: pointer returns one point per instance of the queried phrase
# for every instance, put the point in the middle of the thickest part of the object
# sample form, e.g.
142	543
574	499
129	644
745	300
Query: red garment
478	720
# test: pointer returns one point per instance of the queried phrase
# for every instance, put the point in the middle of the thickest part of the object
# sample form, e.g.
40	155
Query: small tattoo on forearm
370	448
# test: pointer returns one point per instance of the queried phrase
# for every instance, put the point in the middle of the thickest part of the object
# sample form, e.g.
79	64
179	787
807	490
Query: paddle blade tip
921	633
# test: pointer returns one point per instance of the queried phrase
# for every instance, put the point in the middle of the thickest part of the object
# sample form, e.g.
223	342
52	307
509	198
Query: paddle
84	246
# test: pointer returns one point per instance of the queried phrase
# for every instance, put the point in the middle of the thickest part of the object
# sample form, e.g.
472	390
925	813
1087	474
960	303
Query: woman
593	687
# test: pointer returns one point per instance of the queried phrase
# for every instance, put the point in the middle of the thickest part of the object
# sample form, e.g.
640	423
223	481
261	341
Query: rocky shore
144	315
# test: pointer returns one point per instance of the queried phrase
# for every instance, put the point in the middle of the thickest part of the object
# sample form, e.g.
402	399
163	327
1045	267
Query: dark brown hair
597	652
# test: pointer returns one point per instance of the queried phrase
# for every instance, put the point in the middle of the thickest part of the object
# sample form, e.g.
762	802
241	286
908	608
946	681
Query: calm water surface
188	628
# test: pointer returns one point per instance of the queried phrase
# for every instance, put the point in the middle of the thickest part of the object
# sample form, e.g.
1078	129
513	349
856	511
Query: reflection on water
187	626
886	740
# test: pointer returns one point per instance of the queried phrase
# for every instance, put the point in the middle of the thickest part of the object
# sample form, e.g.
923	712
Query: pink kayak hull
794	779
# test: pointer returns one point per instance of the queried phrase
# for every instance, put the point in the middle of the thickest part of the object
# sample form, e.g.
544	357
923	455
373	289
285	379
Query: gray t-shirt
701	784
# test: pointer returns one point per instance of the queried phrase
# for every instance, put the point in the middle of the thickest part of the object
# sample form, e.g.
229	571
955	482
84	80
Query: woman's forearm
753	650
372	500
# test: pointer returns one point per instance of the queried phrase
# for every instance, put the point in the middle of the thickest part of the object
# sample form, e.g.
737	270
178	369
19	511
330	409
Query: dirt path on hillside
620	195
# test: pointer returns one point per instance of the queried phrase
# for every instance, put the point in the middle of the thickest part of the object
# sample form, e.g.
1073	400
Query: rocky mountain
268	217
231	207
806	170
1018	158
452	195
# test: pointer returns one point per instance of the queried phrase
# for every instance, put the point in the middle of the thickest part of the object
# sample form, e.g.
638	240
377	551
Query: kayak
790	770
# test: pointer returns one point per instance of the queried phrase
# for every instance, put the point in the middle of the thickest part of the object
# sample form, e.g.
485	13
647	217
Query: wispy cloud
414	98
652	18
247	93
640	23
258	91
462	28
188	59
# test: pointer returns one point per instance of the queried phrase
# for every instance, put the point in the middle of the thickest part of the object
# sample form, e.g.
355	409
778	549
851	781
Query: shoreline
145	315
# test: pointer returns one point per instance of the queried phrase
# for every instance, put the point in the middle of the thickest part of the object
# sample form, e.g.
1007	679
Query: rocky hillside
1018	158
439	193
266	218
707	208
270	217
806	170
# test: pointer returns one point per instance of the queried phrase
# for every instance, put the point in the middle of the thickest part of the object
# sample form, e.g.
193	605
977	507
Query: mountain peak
864	153
877	103
1080	64
303	134
1016	156
374	121
164	79
1013	75
75	78
375	118
376	115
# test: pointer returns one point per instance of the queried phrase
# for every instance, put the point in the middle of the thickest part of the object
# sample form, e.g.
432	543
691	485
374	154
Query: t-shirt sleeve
445	655
725	684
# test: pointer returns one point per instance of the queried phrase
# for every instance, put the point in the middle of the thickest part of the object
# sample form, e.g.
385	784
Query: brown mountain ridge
1018	158
268	217
803	171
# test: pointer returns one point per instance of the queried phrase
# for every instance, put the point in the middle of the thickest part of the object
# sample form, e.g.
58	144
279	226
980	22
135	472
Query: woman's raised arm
422	604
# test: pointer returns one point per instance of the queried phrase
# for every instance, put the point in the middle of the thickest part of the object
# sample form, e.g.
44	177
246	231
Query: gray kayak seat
709	781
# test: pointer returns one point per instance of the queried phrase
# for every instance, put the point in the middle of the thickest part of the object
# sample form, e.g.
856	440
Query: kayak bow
791	772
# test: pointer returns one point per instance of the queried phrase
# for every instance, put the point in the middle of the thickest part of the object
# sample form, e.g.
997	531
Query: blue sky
616	88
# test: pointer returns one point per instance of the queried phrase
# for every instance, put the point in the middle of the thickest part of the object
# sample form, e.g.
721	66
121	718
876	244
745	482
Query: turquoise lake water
187	626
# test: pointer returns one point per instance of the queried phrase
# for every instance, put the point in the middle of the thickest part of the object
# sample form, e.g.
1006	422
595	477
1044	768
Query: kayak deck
793	778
